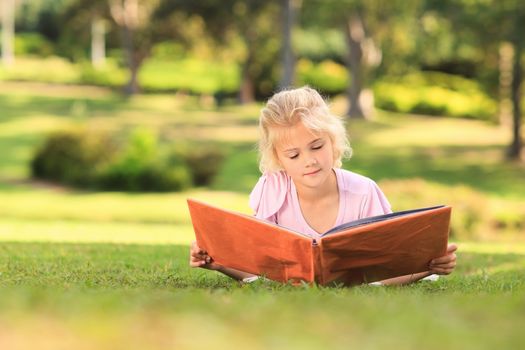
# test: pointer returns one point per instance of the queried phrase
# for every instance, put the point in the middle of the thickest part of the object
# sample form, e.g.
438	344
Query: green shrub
154	177
192	75
329	77
319	45
110	74
204	164
139	167
72	158
434	93
32	44
428	108
132	162
52	69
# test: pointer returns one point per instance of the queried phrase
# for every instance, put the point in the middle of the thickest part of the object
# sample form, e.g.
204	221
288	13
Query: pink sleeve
375	202
268	195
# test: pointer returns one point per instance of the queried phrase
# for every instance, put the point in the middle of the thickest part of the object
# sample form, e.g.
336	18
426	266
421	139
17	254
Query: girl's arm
200	258
235	274
406	279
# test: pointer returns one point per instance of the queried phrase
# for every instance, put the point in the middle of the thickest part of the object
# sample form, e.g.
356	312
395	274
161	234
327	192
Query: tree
78	15
98	42
252	23
288	60
489	24
368	26
141	23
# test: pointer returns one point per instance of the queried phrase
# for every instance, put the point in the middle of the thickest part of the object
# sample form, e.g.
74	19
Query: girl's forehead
295	136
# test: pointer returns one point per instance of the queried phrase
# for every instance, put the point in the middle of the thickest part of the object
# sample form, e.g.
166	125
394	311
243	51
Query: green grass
146	296
92	270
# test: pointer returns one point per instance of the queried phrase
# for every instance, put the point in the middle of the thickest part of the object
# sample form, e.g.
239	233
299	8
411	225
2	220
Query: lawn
106	296
93	270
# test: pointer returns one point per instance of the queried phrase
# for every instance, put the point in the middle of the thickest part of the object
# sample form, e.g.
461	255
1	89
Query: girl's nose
311	162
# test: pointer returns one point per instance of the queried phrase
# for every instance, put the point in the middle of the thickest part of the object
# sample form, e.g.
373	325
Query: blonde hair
288	107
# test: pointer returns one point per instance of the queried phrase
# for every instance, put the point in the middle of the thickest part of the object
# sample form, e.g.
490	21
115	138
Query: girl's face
306	157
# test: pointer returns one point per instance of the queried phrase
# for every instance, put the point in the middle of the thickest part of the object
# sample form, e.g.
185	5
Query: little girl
303	186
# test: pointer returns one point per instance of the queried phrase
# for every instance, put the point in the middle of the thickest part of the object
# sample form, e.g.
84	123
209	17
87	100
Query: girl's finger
440	271
195	263
452	248
444	267
444	259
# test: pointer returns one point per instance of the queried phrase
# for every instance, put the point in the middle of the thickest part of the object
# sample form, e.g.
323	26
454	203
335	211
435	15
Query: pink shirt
274	198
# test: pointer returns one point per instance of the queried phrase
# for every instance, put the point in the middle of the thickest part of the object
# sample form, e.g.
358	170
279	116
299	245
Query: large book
361	251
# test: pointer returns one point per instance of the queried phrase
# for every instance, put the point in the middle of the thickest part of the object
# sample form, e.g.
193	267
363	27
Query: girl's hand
200	258
445	264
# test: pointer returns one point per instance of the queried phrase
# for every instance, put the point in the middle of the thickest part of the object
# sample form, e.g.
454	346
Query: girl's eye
318	147
294	156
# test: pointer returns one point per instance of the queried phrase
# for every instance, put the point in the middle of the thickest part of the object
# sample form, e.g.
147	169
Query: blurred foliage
453	36
72	157
471	216
33	44
132	161
458	157
139	167
204	162
110	74
320	44
52	69
327	76
474	215
434	93
214	77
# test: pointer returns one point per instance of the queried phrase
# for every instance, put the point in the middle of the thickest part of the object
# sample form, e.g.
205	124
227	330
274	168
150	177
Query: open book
361	251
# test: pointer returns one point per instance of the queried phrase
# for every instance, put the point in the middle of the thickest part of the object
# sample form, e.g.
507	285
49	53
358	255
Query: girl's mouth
313	172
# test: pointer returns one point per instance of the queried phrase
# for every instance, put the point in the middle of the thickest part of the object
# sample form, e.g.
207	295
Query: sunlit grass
493	248
33	204
436	132
94	232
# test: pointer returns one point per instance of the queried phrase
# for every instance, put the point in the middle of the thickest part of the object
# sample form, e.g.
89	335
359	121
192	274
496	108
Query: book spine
317	268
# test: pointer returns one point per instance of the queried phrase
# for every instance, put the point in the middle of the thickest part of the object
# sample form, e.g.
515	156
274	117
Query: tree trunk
514	151
125	14
8	31
288	59
132	87
247	89
98	45
506	52
355	36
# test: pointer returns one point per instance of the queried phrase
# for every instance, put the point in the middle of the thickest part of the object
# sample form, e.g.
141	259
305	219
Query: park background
113	112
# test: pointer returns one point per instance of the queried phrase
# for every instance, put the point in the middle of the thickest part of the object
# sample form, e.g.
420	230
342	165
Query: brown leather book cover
362	251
